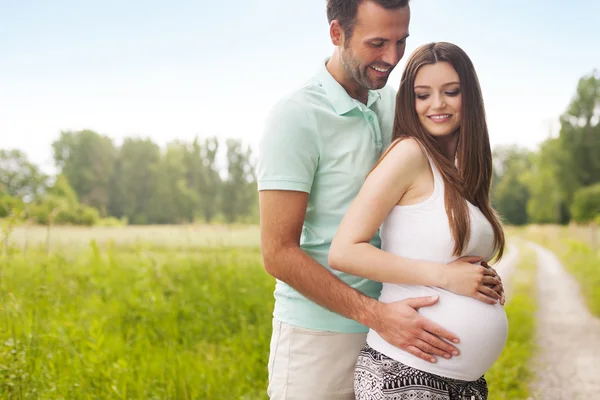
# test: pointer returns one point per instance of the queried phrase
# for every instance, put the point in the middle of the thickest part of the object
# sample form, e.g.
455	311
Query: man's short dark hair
345	11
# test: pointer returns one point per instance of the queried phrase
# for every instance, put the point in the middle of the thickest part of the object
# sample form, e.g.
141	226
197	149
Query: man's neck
336	69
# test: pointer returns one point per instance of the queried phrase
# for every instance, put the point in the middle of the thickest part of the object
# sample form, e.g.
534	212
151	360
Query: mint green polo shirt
321	141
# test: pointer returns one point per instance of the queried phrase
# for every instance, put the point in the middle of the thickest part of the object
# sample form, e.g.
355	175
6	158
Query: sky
174	70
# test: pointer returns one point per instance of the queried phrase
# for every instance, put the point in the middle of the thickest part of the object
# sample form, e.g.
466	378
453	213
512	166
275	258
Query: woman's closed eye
423	96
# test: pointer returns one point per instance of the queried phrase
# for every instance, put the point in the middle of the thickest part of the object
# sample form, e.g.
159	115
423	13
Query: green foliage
547	200
510	192
238	189
586	204
208	181
174	201
580	136
62	189
136	182
12	211
138	323
18	177
180	184
9	204
45	211
86	159
541	188
60	206
55	210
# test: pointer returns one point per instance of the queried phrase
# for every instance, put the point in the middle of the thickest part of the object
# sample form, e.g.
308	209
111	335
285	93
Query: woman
429	194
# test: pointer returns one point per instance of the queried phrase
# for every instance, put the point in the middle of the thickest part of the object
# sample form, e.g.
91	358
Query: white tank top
421	231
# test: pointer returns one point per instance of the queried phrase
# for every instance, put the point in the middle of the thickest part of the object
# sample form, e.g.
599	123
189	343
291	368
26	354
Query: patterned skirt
378	377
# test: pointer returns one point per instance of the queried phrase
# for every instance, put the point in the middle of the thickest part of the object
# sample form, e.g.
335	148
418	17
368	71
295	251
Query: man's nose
391	56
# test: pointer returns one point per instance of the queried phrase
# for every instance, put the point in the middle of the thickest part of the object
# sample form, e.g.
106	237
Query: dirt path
568	358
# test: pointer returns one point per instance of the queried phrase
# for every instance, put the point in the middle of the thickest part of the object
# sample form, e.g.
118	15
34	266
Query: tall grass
509	378
134	324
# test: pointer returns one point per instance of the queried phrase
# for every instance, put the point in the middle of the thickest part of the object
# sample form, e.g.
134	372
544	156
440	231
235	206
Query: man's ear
336	33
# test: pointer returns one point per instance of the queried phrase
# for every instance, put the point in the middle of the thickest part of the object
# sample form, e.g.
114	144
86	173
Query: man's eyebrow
429	87
380	39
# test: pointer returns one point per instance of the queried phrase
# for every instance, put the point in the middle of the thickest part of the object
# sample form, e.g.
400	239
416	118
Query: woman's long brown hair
469	177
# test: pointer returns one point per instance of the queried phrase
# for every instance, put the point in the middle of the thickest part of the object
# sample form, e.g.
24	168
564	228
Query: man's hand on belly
400	324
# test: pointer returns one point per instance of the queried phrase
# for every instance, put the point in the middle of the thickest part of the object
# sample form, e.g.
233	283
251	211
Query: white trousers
305	364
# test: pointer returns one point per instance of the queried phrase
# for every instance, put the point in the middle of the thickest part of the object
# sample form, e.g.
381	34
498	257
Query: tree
547	202
134	182
19	177
87	160
174	201
510	193
208	180
138	181
579	138
238	194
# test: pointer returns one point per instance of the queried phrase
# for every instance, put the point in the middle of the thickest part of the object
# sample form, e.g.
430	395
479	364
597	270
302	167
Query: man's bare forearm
401	324
296	268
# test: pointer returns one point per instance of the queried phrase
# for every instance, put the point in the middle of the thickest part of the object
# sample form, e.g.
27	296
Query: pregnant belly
481	328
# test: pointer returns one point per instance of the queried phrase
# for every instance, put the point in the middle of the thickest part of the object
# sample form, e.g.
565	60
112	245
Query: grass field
65	238
154	313
127	321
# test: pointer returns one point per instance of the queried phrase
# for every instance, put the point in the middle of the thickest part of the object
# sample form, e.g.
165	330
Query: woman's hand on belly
467	277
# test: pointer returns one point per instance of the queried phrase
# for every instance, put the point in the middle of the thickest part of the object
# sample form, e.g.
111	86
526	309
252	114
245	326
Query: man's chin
373	83
377	84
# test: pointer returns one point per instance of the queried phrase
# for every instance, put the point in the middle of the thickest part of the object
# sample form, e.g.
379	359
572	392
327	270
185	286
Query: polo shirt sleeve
288	153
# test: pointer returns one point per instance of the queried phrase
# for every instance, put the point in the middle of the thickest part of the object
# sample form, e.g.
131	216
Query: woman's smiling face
438	100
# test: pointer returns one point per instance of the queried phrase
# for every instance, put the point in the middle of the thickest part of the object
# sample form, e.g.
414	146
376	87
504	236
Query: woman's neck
449	144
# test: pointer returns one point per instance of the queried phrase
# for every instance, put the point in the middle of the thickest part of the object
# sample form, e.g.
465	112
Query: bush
84	215
56	210
9	204
586	204
45	212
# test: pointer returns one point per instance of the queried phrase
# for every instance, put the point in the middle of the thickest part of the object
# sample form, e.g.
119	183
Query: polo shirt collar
340	99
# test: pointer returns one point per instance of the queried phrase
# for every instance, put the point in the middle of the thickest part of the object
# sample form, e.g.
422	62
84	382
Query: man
319	144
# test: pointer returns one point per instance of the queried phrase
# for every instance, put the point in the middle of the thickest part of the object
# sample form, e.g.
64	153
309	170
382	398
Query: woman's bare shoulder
404	153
